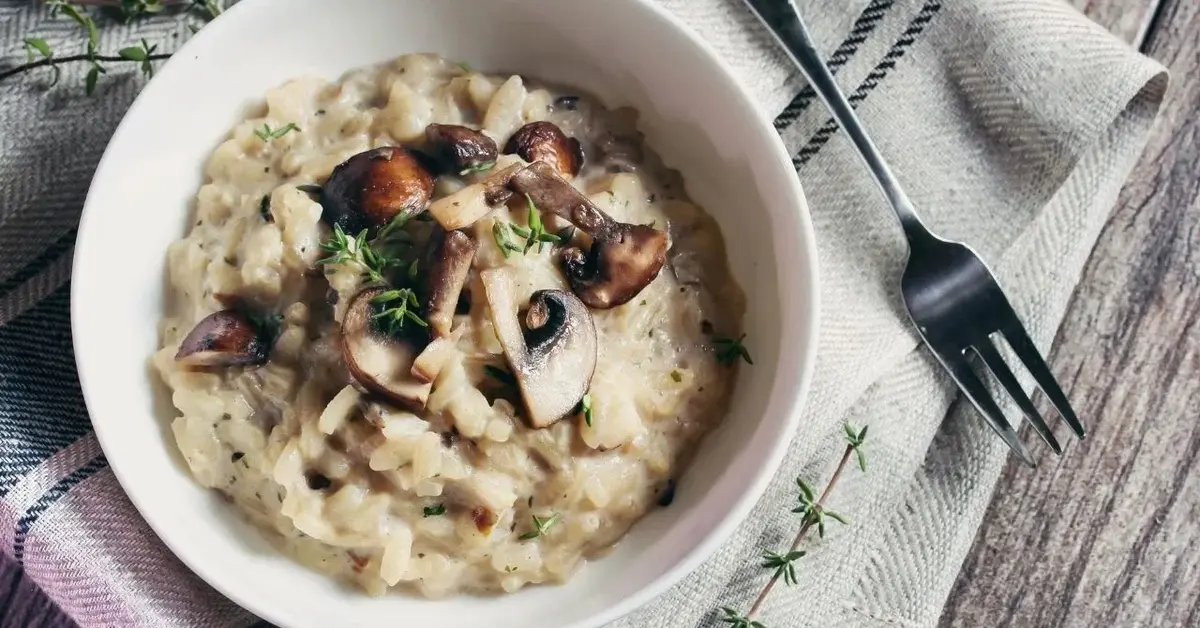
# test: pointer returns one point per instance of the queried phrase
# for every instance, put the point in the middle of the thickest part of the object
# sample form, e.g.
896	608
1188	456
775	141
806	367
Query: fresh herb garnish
730	350
40	47
343	249
541	526
813	512
434	511
565	234
397	307
856	440
510	568
208	8
783	564
131	9
142	54
676	376
266	133
738	621
483	167
585	406
502	234
465	67
500	375
535	233
393	231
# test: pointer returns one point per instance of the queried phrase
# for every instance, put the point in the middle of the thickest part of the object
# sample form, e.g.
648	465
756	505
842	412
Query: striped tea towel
1012	122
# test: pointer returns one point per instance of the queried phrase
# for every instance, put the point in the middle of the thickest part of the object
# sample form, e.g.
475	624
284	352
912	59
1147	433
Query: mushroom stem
449	263
624	258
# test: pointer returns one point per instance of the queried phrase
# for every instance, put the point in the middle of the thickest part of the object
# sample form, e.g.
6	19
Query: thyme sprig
396	307
39	53
730	350
736	620
343	249
535	234
813	514
266	133
541	526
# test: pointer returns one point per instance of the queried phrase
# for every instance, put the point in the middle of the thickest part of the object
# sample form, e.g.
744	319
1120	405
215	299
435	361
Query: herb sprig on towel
813	514
40	54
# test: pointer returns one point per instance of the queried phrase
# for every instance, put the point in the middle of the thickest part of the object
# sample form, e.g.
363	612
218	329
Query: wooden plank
1127	19
1109	534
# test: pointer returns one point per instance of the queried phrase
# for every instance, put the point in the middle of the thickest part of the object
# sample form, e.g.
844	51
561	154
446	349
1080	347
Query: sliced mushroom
375	186
224	338
545	142
553	355
449	262
382	363
434	358
624	258
461	148
464	207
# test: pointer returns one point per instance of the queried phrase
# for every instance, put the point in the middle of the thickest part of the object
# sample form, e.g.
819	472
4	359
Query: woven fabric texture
1013	124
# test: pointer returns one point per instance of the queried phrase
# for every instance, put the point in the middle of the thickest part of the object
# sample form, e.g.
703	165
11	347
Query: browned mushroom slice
374	186
464	207
624	258
449	262
461	148
224	338
545	142
553	356
382	363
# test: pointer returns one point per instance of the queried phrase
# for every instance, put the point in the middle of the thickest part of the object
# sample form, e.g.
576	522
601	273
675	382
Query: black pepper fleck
264	208
237	455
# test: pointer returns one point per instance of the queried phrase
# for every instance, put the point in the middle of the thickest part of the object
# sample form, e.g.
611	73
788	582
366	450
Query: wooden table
1110	534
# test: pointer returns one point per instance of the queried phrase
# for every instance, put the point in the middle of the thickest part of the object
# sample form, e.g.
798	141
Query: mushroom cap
553	356
223	338
624	258
460	147
374	186
382	363
545	142
619	265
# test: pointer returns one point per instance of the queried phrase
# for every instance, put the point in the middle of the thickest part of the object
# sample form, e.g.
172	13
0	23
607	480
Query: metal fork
951	296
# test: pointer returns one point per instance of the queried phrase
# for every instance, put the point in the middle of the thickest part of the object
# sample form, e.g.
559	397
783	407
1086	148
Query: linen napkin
1013	124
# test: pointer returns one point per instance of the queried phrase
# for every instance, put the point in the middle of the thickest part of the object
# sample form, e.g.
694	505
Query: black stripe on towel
39	263
859	33
881	70
41	406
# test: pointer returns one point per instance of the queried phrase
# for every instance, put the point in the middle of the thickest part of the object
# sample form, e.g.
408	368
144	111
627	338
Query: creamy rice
447	498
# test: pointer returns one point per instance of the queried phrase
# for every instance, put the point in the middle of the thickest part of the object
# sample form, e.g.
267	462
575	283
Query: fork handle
783	20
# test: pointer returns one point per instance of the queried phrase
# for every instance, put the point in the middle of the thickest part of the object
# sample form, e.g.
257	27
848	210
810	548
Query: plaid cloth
1012	122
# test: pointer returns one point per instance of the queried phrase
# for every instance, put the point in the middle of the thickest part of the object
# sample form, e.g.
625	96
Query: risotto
442	331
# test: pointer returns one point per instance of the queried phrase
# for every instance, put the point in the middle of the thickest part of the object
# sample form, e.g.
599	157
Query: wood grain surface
1108	535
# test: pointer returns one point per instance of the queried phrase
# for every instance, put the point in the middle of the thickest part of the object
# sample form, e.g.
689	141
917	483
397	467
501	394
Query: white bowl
624	51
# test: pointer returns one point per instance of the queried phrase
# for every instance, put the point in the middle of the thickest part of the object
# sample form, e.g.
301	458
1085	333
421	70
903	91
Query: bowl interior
624	51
